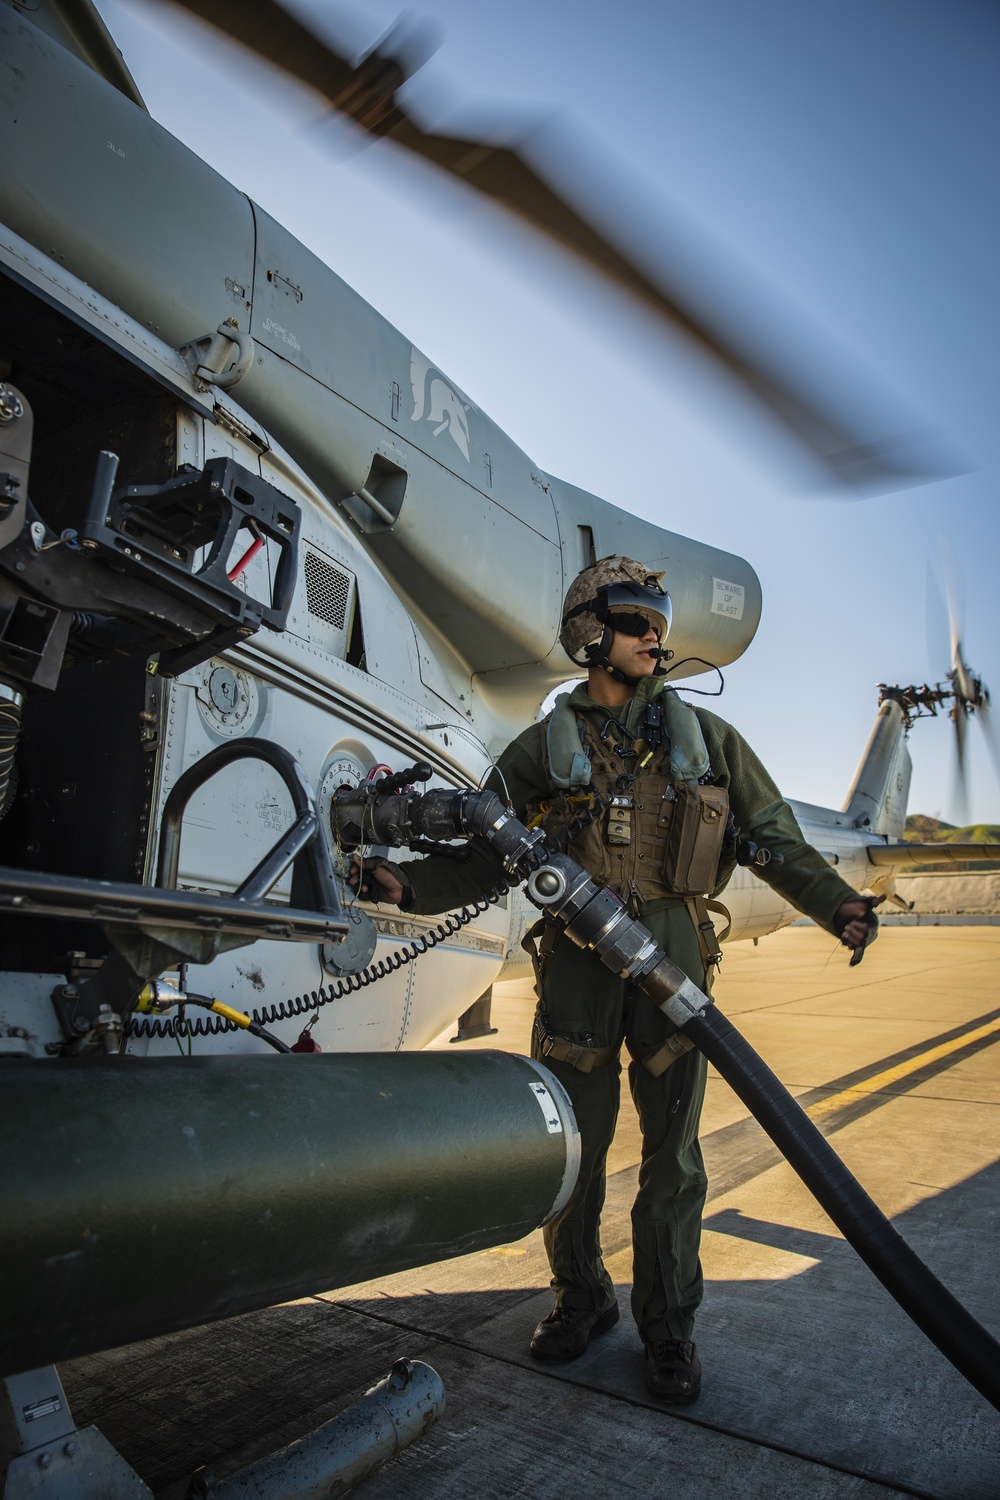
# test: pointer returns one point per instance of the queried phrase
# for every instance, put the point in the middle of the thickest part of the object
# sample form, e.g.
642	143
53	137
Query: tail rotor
967	692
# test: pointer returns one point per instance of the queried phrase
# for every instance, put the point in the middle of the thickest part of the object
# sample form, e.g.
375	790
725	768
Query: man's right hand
374	880
857	925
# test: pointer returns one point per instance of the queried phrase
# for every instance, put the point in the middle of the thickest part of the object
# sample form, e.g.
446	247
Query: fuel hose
950	1326
596	919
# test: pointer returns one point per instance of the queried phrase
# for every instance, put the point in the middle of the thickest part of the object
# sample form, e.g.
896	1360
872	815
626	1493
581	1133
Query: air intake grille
328	591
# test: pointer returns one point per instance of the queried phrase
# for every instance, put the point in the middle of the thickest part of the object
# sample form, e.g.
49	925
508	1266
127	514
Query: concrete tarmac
816	1384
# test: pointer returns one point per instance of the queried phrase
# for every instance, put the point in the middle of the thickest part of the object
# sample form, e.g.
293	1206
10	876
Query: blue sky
837	159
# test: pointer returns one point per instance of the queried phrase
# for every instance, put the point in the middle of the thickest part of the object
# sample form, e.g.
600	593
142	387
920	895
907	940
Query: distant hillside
923	830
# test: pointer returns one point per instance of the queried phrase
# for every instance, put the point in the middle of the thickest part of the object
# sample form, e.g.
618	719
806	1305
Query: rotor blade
961	789
965	686
989	729
938	630
967	689
273	33
505	174
954	592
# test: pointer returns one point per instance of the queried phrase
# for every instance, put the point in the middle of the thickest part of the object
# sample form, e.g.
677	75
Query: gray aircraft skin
434	554
420	513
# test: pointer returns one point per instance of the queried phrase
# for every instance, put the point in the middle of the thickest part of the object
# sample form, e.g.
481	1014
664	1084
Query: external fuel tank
141	1196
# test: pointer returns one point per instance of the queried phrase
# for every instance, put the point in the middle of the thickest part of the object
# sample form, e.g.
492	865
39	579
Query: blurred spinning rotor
831	414
968	695
971	697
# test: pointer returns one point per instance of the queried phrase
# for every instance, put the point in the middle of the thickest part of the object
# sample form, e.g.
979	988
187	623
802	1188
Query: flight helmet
616	593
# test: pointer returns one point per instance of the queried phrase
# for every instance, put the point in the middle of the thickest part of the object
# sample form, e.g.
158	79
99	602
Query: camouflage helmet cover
577	633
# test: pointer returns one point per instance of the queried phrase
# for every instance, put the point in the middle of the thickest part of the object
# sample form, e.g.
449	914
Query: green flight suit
581	1000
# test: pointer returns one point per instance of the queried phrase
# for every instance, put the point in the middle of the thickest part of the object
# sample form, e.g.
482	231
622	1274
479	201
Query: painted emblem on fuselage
439	403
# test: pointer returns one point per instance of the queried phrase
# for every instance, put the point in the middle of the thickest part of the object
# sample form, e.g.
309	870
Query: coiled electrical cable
237	1019
10	733
301	1005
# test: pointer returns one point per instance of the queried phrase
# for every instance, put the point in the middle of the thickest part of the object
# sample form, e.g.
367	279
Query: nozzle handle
412	774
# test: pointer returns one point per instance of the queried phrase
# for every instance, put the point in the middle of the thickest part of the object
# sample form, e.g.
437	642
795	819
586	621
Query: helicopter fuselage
431	564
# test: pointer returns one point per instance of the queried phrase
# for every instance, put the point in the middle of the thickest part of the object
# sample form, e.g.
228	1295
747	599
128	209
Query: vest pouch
694	839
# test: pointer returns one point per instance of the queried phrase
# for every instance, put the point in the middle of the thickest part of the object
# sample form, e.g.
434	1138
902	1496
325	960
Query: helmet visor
632	609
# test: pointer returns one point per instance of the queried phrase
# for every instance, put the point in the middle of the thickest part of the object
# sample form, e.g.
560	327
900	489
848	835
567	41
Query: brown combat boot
567	1331
673	1371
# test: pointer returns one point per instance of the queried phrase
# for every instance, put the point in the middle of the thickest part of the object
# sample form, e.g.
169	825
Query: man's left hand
857	925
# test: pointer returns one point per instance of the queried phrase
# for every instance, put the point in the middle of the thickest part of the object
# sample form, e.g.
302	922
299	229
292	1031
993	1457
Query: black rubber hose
268	1037
973	1351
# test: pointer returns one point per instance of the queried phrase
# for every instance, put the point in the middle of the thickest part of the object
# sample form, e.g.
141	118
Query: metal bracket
304	845
47	1457
30	894
228	356
154	927
156	532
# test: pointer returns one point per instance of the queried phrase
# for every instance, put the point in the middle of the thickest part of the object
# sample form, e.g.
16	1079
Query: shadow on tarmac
817	1365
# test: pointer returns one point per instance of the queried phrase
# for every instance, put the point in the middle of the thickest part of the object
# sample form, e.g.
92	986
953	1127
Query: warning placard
727	598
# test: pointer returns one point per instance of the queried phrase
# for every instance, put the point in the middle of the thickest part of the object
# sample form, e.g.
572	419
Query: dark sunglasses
629	622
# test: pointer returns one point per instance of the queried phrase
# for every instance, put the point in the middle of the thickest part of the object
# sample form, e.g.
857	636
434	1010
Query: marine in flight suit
585	1013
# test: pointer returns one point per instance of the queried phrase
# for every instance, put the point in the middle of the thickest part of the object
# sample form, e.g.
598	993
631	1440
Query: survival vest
658	831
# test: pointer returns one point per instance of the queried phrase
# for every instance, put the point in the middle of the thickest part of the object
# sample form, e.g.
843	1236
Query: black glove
871	920
368	888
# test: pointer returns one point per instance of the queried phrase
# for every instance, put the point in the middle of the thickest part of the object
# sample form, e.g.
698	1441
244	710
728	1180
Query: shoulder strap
689	758
699	909
565	762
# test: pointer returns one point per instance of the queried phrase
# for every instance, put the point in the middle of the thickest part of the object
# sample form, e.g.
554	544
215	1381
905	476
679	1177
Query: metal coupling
560	886
158	996
517	860
546	886
673	992
483	815
438	815
595	918
11	405
604	925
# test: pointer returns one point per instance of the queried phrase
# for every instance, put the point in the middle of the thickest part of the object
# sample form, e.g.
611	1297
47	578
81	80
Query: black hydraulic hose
268	1037
972	1350
235	1019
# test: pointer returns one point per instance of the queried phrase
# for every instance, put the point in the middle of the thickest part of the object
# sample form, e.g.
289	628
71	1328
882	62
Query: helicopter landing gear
43	1453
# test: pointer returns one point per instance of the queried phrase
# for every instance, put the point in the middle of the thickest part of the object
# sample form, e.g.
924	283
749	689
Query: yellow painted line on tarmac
880	1081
